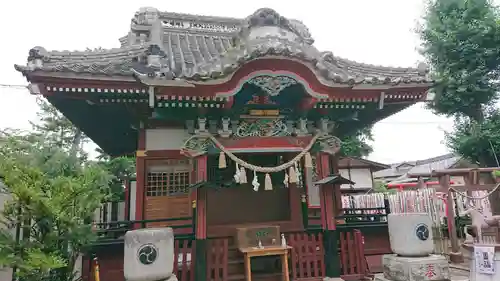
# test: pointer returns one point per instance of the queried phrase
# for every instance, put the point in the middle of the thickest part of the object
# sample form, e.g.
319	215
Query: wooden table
251	252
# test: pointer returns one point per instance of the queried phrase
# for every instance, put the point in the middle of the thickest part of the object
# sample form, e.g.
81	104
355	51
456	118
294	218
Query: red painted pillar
201	219
326	193
140	163
127	199
337	193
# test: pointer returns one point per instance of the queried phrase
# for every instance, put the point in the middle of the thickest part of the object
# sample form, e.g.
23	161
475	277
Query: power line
13	86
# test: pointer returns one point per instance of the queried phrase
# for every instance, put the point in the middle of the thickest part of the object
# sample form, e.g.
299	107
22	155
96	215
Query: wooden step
235	266
234	253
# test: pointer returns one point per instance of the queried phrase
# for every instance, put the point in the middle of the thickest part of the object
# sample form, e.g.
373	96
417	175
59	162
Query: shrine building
236	126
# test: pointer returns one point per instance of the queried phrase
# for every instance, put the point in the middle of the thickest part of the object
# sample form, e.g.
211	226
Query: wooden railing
307	256
363	215
113	232
352	256
184	250
351	216
217	259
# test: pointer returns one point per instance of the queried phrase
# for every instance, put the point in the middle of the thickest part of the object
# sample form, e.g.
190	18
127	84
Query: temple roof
170	46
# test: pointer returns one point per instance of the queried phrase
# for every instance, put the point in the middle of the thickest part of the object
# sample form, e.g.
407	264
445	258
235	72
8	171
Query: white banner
484	256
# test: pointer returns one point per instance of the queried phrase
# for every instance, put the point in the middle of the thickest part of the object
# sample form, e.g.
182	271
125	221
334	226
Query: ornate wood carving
272	85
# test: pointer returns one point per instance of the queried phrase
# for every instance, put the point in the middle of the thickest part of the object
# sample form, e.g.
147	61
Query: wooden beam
420	175
454	172
455	254
464	171
472	187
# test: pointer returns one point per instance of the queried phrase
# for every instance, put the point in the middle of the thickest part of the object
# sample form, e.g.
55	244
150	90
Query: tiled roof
117	61
421	166
181	46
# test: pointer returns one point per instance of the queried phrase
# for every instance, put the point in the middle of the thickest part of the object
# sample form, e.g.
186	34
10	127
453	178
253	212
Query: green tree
381	187
357	145
55	190
461	41
57	130
54	196
121	168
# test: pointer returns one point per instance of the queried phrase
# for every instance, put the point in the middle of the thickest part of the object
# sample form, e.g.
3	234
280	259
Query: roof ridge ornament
146	16
266	17
36	57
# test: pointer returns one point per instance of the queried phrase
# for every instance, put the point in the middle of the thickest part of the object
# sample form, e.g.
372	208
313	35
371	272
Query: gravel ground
459	274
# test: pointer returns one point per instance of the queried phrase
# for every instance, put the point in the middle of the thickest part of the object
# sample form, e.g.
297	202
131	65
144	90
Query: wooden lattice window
168	177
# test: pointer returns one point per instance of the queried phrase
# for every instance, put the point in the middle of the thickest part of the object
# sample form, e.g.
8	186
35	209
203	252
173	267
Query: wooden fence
352	256
376	206
308	255
217	259
184	250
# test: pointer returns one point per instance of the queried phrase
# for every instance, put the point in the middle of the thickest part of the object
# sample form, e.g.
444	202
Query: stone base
172	278
433	267
456	257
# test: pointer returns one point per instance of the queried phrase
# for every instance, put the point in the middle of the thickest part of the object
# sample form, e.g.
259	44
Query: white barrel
410	234
149	254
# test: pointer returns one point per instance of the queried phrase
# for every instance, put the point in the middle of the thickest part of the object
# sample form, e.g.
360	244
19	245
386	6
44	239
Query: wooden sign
250	236
264	112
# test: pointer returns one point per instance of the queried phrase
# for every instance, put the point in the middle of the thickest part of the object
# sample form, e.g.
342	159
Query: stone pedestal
149	255
433	267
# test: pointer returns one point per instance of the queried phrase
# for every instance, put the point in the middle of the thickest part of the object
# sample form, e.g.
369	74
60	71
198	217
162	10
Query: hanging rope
474	197
259	169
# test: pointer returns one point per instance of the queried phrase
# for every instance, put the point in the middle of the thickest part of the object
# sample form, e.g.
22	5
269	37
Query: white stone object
283	240
433	267
149	254
410	234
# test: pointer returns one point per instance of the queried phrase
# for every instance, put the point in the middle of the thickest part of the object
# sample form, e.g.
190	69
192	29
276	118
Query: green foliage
357	145
479	142
54	196
54	191
121	168
496	174
381	187
57	130
461	40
